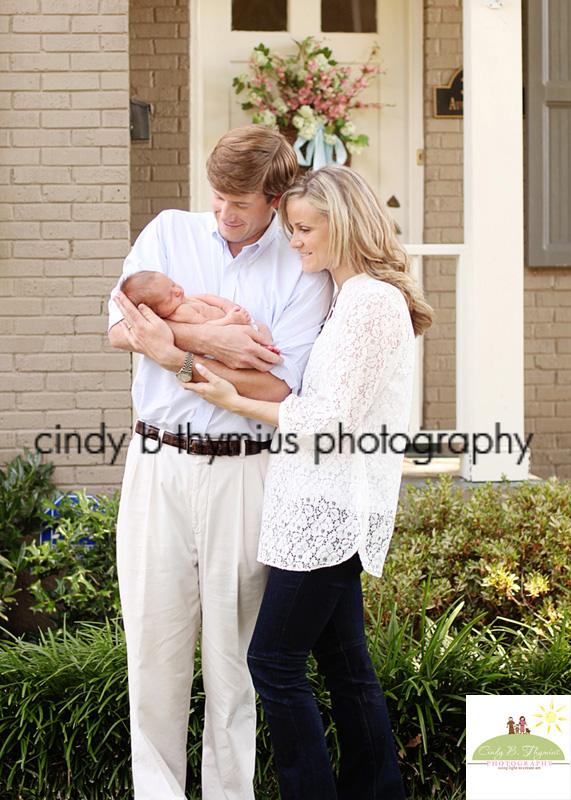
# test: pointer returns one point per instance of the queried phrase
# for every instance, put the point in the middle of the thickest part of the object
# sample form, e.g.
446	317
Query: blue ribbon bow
318	153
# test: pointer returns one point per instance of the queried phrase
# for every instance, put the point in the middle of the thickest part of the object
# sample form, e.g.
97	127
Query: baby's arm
233	313
213	300
187	312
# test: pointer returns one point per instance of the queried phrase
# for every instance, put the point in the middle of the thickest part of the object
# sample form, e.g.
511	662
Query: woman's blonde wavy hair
361	232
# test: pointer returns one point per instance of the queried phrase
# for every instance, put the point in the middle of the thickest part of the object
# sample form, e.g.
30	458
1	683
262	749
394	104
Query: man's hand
236	346
144	332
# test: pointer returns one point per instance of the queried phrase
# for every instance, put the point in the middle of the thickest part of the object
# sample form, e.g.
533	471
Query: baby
167	299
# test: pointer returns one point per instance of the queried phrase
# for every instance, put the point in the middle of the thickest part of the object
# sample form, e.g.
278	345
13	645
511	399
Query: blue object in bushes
49	534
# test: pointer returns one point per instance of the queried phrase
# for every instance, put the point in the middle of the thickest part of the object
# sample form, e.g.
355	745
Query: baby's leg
237	316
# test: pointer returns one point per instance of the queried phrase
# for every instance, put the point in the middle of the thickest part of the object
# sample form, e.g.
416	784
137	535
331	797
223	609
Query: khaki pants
187	538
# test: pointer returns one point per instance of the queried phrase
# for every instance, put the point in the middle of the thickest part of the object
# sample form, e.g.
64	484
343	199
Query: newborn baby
168	301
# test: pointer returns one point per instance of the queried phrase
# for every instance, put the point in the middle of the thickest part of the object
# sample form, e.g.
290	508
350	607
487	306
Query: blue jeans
322	611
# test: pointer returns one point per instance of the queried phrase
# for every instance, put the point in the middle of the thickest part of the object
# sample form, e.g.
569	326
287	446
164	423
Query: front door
221	48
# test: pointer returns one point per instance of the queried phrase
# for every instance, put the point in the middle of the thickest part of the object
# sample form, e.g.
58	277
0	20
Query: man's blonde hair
362	233
252	159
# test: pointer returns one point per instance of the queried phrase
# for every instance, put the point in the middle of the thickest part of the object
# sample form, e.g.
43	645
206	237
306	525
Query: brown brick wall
443	210
547	291
159	62
65	223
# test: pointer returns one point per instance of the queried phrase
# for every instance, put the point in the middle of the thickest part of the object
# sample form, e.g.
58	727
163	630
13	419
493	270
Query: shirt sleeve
299	325
371	332
148	252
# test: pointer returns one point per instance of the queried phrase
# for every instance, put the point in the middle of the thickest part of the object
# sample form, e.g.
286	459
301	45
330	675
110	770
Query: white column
490	281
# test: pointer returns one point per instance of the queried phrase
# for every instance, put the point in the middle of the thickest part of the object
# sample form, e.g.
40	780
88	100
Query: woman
331	493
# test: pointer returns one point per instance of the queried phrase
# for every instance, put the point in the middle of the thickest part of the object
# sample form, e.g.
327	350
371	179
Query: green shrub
25	486
64	708
505	551
77	571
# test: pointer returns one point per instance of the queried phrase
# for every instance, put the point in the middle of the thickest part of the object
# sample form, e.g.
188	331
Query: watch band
185	372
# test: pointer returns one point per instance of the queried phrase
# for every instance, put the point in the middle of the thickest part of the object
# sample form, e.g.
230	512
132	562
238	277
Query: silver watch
185	372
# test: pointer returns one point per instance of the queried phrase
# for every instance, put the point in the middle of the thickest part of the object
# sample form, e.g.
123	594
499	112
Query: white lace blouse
321	507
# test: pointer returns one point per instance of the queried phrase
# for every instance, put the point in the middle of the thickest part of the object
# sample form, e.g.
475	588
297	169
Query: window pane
350	16
259	15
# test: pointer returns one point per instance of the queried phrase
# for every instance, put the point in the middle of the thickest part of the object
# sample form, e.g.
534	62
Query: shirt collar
255	249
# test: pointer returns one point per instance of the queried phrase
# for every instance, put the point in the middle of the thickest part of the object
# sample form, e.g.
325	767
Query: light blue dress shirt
265	278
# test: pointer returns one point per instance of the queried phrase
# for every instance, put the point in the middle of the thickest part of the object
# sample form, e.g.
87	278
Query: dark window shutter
548	125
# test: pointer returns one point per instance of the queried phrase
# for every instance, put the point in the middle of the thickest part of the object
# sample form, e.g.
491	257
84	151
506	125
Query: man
190	513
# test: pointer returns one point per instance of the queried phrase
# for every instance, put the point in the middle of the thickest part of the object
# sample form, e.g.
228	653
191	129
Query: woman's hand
216	390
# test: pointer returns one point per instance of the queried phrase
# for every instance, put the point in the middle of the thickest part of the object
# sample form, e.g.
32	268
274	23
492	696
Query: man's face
241	219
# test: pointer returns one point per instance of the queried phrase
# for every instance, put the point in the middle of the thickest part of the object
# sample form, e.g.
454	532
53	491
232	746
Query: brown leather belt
202	446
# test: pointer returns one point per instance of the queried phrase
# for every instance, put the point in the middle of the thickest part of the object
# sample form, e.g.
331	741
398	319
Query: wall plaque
449	100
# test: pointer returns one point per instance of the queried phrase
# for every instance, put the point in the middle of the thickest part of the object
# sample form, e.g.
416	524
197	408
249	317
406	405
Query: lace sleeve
370	331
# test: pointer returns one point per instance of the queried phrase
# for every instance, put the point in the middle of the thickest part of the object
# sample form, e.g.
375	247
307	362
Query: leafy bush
25	485
64	708
76	571
505	551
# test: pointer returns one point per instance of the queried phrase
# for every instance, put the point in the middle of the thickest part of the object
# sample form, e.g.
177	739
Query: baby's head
161	294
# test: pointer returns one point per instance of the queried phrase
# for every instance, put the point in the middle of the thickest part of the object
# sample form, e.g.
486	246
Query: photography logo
518	747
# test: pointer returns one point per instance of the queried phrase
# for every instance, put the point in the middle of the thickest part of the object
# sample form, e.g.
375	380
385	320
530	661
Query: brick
97	363
100	137
32	23
73	344
115	230
20	6
44	325
101	211
109	99
99	62
73	269
20	119
70	6
41	62
19	44
71	119
41	100
75	382
20	230
63	230
111	42
43	287
115	7
41	175
49	363
20	81
97	400
42	400
97	249
119	80
96	324
552	392
72	194
42	211
101	175
115	119
114	156
71	155
69	81
61	306
41	250
16	157
41	138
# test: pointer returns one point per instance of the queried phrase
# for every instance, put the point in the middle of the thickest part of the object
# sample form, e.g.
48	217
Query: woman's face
310	235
